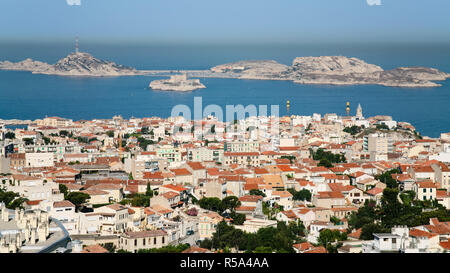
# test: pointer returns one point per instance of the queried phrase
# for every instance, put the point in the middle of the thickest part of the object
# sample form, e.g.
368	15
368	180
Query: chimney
4	213
16	214
77	246
33	236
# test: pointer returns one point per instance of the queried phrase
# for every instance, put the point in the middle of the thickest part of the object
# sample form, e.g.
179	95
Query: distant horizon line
258	42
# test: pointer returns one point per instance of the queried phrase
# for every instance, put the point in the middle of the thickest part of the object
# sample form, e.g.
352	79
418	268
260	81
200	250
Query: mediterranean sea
24	95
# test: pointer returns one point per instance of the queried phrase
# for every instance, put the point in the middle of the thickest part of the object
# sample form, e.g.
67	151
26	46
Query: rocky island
75	64
326	70
333	70
177	83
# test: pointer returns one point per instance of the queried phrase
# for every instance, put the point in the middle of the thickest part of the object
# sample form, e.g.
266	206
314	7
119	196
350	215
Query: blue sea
27	96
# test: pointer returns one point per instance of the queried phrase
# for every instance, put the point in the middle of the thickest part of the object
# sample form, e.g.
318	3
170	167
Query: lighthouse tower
359	112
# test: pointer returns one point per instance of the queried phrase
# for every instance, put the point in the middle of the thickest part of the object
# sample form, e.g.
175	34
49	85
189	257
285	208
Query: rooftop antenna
76	45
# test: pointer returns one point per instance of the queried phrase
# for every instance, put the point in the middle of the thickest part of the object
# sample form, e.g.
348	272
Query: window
135	242
143	241
154	241
163	240
424	190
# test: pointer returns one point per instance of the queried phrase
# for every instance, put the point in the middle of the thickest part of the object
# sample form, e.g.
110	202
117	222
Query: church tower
359	112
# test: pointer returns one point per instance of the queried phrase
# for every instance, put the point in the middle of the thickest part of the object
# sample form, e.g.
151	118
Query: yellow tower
348	108
120	145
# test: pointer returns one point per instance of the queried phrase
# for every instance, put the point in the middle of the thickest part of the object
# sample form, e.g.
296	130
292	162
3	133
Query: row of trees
302	195
265	240
381	218
215	204
166	249
12	200
77	198
228	203
138	199
326	158
330	239
354	130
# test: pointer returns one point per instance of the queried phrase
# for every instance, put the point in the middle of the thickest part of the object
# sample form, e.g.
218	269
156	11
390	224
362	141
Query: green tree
327	237
325	163
263	249
166	249
64	133
110	133
238	218
109	246
63	189
28	141
387	178
12	200
302	195
230	202
137	200
353	130
335	220
368	230
10	135
291	158
212	203
257	192
78	198
148	191
365	215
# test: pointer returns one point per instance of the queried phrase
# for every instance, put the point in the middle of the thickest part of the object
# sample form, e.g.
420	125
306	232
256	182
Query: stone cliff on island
332	70
326	70
75	64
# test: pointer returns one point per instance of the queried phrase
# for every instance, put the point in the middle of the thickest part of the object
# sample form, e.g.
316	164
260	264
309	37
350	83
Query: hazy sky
231	21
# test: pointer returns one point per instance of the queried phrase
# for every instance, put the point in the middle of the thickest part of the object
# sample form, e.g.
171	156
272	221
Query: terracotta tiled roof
63	204
420	233
319	249
330	194
303	246
144	234
355	234
181	172
250	198
94	249
195	249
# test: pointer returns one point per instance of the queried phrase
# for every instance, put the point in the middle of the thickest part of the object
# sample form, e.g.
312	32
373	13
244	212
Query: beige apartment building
378	146
242	158
245	147
134	241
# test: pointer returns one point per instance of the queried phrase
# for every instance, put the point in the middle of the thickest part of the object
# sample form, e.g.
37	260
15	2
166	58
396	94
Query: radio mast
76	45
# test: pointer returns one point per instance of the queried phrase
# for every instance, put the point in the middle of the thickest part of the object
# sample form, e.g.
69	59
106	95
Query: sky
227	21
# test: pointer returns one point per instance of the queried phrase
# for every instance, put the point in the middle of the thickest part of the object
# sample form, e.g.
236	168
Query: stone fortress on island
177	83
